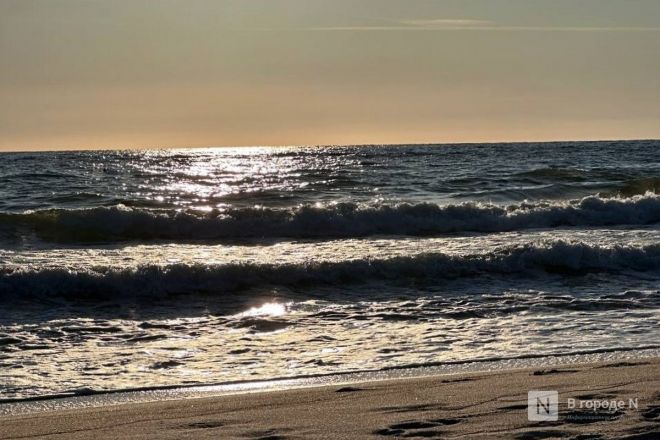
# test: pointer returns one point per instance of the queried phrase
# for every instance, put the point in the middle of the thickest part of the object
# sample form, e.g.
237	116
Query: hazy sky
137	73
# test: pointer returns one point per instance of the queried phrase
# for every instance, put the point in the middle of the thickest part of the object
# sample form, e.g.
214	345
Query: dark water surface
149	268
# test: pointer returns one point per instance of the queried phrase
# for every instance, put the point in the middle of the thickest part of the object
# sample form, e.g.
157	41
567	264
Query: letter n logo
542	406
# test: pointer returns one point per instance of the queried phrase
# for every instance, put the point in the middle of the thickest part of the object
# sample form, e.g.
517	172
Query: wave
614	183
112	282
343	220
644	185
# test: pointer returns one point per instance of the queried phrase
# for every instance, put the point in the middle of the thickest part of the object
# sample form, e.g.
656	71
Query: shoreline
467	404
86	398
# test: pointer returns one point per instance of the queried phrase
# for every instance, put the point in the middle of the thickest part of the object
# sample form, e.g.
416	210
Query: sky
87	74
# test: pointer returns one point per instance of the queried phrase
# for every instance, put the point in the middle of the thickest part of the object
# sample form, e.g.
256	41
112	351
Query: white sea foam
341	220
111	282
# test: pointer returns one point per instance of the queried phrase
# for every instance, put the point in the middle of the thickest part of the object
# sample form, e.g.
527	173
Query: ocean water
176	267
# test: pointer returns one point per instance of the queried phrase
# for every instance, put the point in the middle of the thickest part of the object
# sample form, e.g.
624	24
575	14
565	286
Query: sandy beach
474	405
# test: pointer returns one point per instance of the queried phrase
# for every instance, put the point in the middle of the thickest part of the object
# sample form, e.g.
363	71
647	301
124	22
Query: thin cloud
463	24
446	22
484	28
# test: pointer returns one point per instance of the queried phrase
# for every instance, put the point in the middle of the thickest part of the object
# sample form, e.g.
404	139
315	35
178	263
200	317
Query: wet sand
469	405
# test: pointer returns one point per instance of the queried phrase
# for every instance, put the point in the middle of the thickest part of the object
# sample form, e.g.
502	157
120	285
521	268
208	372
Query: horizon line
360	145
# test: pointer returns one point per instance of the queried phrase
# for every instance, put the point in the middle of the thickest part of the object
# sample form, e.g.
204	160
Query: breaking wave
111	282
343	220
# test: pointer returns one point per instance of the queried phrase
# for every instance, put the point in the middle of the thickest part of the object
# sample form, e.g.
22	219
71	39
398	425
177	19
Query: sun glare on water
267	309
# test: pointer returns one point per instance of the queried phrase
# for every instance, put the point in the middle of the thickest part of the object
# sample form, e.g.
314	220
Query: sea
170	268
